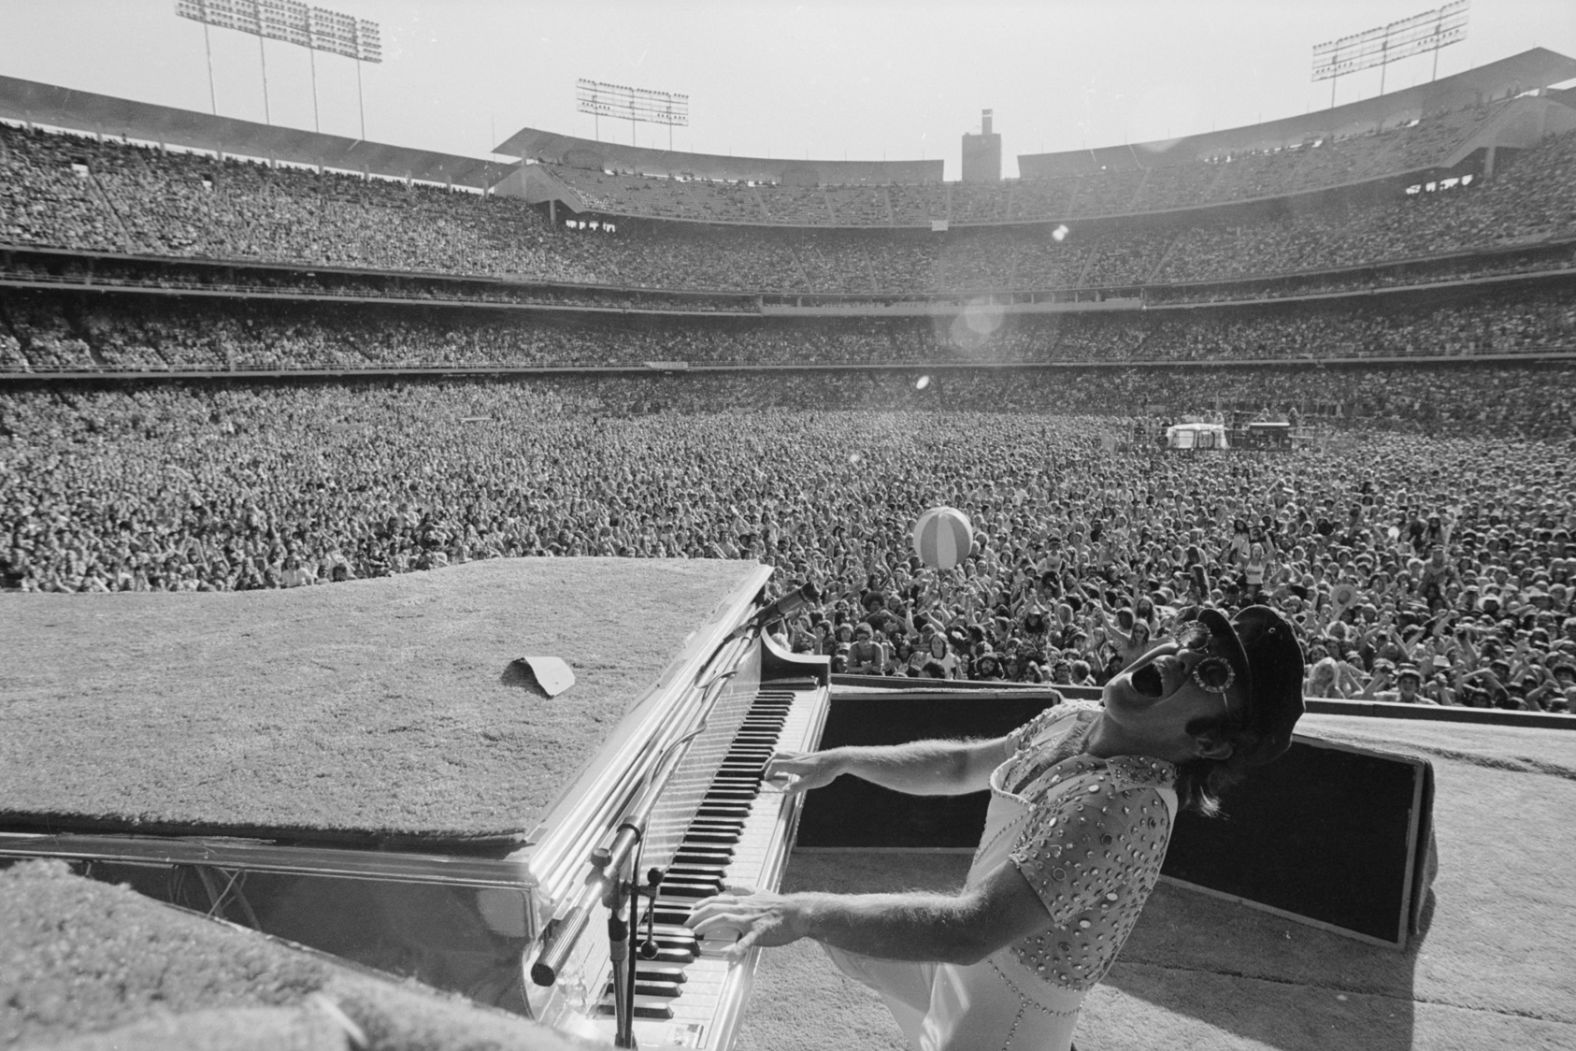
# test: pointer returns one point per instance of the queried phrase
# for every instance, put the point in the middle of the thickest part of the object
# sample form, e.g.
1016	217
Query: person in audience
117	522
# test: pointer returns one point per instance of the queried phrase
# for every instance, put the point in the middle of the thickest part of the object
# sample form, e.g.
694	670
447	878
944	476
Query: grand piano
393	772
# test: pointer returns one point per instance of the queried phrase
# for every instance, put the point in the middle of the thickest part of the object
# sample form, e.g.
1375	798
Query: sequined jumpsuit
1089	834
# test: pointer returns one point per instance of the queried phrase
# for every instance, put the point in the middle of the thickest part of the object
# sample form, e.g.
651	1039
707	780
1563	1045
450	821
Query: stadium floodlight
636	105
1428	31
292	22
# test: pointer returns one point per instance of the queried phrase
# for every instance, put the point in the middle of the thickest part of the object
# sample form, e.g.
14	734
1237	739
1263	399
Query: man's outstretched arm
961	928
926	768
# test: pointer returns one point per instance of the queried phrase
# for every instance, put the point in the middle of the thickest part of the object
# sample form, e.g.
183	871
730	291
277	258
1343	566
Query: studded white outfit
1089	835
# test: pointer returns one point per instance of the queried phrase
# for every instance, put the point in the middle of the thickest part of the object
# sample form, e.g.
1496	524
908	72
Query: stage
268	714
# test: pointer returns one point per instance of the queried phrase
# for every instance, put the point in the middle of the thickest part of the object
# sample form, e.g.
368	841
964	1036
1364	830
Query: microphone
790	604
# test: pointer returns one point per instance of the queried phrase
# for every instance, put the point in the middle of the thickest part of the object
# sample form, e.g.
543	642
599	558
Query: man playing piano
1082	802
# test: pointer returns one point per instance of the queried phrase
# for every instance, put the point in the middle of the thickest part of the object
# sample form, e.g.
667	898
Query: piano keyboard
740	835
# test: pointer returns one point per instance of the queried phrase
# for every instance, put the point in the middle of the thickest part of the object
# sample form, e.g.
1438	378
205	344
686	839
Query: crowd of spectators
23	269
1531	201
1421	540
44	331
1391	551
1555	258
104	195
1150	181
108	196
48	331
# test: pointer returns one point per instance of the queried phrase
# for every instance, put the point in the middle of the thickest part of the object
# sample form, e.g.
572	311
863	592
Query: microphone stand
623	970
621	896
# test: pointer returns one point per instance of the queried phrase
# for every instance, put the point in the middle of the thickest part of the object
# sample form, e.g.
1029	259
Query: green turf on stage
87	966
372	709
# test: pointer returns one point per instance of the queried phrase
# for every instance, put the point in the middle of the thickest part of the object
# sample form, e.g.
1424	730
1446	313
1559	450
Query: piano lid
360	714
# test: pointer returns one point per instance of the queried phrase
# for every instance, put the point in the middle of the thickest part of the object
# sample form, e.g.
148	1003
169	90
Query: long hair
1202	782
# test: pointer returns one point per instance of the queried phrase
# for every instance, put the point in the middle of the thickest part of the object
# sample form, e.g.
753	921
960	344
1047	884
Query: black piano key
701	863
702	851
692	869
688	887
674	957
655	1008
683	882
724	795
696	890
664	972
690	878
654	990
673	914
708	818
723	806
689	893
667	948
736	790
697	861
658	985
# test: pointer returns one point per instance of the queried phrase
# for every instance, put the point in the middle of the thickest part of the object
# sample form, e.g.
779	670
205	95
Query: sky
854	80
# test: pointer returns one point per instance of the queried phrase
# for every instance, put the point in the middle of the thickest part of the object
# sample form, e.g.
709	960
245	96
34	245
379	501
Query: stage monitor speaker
1331	835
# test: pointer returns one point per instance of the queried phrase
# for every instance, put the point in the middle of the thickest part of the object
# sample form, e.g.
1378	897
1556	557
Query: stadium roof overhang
538	185
1530	70
31	102
573	152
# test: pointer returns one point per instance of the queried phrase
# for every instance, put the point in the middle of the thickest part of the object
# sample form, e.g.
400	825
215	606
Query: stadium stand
673	365
73	193
52	331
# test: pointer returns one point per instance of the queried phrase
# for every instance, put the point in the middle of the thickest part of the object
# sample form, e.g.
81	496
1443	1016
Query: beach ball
943	537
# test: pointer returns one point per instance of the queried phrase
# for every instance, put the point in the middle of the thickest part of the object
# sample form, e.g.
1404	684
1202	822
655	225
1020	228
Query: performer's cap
1263	650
